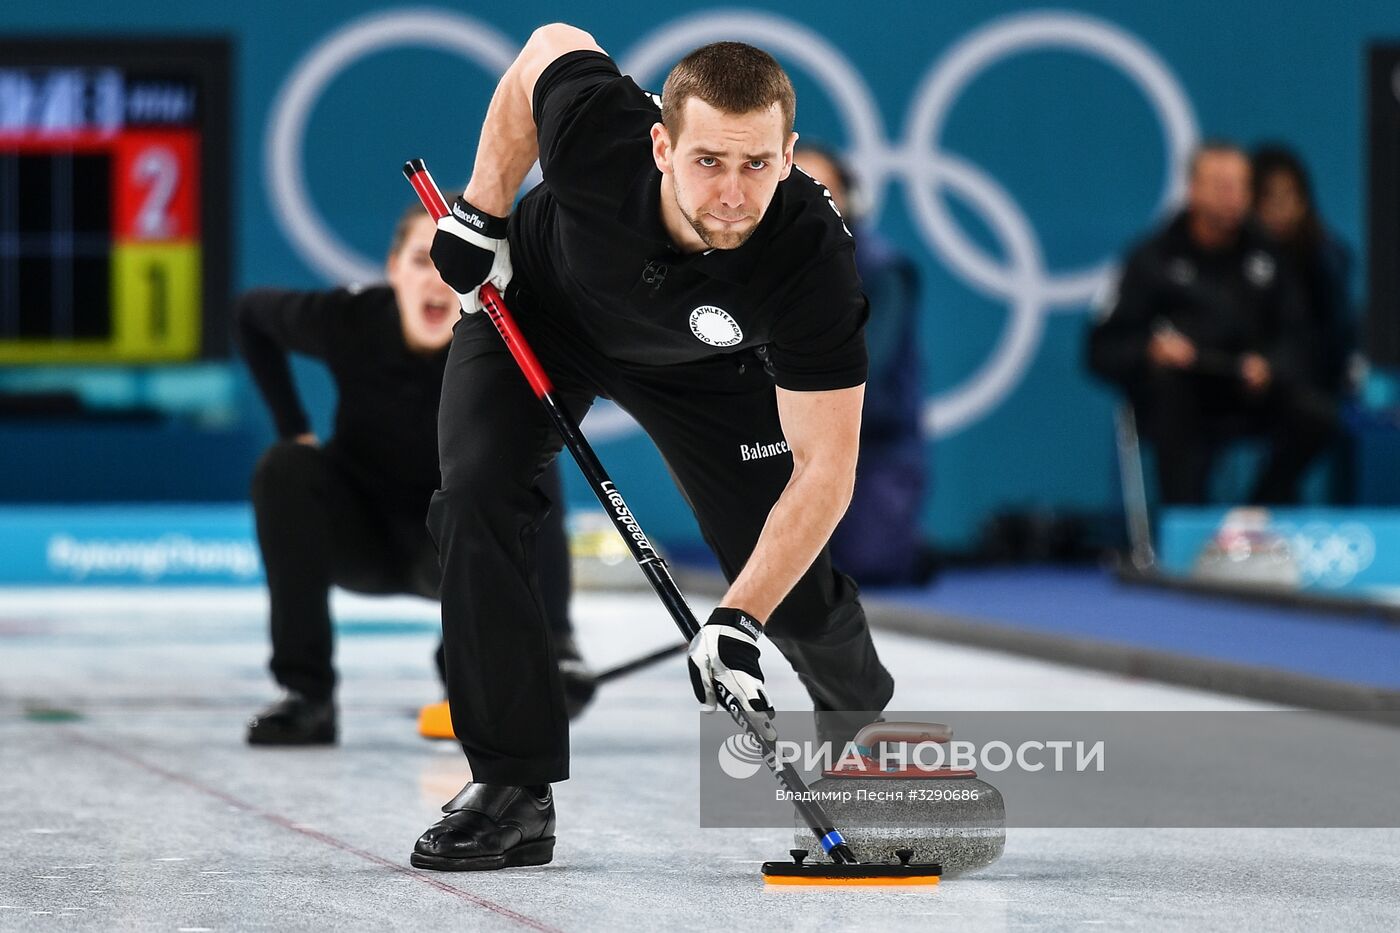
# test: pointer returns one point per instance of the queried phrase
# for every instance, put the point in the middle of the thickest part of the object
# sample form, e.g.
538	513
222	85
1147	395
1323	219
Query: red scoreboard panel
113	200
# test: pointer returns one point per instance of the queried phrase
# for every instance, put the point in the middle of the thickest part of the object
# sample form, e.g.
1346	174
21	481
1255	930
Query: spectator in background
878	541
1208	335
1284	209
352	513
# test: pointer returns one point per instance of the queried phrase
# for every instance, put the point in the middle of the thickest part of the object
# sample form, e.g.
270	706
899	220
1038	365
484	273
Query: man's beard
727	238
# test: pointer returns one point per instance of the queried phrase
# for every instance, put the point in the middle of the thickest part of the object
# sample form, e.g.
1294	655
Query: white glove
469	250
725	651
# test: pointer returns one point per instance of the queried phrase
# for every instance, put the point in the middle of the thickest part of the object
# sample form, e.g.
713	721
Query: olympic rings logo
925	171
1328	555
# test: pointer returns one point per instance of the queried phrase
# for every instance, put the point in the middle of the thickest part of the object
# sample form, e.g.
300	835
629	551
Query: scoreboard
114	224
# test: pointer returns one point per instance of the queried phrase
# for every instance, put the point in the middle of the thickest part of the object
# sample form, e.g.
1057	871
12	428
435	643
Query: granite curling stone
943	815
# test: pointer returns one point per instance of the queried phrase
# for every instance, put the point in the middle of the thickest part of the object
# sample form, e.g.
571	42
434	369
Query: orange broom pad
435	721
817	881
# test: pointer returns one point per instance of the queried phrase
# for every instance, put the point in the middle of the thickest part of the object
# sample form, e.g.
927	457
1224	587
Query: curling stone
1248	550
940	815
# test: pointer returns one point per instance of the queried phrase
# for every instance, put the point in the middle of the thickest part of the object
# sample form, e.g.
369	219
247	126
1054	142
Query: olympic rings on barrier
1329	555
926	171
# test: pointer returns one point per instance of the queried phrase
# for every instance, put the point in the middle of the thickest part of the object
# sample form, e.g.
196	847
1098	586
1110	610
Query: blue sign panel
128	545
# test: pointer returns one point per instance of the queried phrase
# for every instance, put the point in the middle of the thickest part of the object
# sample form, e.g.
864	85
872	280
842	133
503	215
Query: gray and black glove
469	250
725	651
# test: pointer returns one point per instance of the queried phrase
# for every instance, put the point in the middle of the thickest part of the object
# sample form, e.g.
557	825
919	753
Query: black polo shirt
590	244
387	395
1241	298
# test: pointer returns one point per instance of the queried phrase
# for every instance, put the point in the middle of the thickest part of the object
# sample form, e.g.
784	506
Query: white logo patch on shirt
1181	271
714	326
1259	269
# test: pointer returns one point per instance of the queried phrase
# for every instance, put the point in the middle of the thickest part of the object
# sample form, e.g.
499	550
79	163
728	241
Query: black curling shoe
294	720
489	826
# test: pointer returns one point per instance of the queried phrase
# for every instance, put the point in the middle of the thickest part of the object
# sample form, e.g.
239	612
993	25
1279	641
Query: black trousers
1190	416
317	527
495	439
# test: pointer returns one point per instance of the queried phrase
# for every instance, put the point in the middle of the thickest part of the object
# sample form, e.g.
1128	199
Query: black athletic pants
494	440
1191	415
318	527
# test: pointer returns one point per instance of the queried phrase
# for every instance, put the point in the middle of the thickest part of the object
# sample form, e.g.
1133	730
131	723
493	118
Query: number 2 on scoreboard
158	171
157	184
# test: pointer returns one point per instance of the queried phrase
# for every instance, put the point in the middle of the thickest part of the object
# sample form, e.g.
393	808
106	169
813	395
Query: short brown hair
1213	145
729	76
405	223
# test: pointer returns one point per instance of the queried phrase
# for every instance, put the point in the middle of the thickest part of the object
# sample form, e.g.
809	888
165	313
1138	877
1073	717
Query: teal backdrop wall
1012	150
